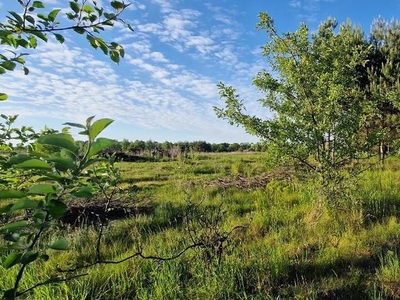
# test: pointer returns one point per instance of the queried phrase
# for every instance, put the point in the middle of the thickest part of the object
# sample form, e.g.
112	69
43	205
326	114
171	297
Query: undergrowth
291	248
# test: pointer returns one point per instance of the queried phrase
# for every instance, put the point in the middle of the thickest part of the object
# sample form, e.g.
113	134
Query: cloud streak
167	81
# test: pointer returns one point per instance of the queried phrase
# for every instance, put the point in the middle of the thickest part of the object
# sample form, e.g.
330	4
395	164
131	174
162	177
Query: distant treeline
168	149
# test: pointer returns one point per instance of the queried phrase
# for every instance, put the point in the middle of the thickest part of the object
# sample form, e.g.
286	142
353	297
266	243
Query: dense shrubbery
153	149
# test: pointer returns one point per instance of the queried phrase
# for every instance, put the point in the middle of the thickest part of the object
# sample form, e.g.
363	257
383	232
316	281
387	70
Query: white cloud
157	57
308	9
295	3
165	5
157	85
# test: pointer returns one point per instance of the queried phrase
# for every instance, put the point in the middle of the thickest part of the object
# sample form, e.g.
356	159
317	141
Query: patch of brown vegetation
242	181
96	212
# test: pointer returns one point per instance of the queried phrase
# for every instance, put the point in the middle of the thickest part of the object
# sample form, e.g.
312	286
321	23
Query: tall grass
291	248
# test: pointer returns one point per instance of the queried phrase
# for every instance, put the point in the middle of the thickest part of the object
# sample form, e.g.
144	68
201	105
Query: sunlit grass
292	247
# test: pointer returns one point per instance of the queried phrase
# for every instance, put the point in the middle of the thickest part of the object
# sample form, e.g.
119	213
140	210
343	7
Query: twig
50	281
137	254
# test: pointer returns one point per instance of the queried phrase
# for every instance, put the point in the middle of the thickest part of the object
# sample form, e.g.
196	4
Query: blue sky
165	87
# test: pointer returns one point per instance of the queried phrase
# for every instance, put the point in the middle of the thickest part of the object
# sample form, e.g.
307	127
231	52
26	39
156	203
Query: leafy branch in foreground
37	186
36	22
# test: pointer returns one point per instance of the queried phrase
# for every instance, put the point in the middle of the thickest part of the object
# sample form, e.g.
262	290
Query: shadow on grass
380	210
355	275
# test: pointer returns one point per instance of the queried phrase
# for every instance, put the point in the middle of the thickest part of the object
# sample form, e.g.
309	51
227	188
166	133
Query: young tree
383	83
311	90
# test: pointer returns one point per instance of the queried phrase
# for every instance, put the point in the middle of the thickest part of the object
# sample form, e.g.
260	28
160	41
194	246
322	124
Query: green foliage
311	88
39	186
37	21
41	173
382	83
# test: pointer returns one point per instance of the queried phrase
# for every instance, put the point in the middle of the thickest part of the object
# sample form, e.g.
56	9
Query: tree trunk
382	152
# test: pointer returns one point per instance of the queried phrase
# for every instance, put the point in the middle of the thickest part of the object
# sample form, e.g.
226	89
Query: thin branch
137	254
50	281
104	22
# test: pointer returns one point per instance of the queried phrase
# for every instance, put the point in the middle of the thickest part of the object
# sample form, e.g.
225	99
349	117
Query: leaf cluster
39	180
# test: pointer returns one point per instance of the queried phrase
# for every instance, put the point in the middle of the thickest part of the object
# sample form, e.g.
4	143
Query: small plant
204	225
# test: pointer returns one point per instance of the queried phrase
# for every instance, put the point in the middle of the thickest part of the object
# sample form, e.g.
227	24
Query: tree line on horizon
176	149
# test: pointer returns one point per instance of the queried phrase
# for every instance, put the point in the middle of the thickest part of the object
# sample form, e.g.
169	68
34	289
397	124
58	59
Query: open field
263	233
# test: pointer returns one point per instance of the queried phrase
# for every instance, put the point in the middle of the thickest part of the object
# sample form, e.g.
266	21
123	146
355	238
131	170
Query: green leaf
74	6
43	17
12	237
44	257
18	158
53	14
88	9
30	19
38	4
114	55
11	194
92	161
24	203
103	46
29	257
63	163
99	145
16	16
117	5
52	176
98	126
61	140
89	121
3	96
59	38
40	35
23	43
14	225
57	209
11	260
41	215
93	41
121	51
5	209
84	192
26	70
33	164
79	30
75	125
8	65
60	244
92	18
32	41
109	16
42	189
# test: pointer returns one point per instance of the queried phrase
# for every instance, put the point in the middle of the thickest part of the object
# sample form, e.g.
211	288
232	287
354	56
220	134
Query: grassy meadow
263	234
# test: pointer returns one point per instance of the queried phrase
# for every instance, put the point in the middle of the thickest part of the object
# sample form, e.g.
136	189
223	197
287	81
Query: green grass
292	247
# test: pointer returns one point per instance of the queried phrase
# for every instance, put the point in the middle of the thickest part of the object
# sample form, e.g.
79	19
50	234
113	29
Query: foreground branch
137	254
56	280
